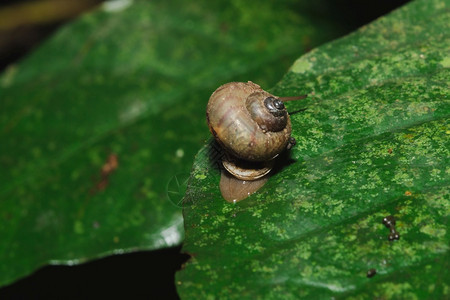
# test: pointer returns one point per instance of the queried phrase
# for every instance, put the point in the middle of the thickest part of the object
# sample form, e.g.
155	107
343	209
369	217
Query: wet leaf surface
97	122
373	141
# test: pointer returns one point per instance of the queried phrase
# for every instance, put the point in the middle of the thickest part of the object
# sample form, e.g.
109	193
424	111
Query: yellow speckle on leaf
408	136
8	76
446	62
179	153
435	231
200	176
301	66
408	193
78	227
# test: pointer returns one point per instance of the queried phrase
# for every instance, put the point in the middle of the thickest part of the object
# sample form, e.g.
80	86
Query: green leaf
129	84
372	142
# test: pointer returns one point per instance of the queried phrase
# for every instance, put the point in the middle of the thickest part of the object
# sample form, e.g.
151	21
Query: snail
253	127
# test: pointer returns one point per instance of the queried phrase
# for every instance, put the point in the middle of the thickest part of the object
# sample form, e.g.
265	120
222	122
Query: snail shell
251	125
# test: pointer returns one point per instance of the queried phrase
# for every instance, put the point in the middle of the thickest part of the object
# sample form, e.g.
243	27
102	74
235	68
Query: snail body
248	122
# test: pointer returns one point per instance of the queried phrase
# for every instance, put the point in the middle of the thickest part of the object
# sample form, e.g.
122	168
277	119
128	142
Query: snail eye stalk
286	99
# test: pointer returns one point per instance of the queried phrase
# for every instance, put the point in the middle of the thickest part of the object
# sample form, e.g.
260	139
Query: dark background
144	274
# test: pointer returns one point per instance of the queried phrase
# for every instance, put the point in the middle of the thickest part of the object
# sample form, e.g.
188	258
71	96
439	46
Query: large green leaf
372	142
129	82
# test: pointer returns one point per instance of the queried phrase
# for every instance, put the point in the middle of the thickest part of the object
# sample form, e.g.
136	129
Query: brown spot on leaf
111	164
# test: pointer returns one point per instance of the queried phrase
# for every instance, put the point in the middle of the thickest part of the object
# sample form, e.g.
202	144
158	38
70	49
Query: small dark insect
371	273
393	235
389	221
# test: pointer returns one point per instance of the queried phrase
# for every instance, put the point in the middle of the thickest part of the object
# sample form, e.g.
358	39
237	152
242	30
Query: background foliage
98	120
